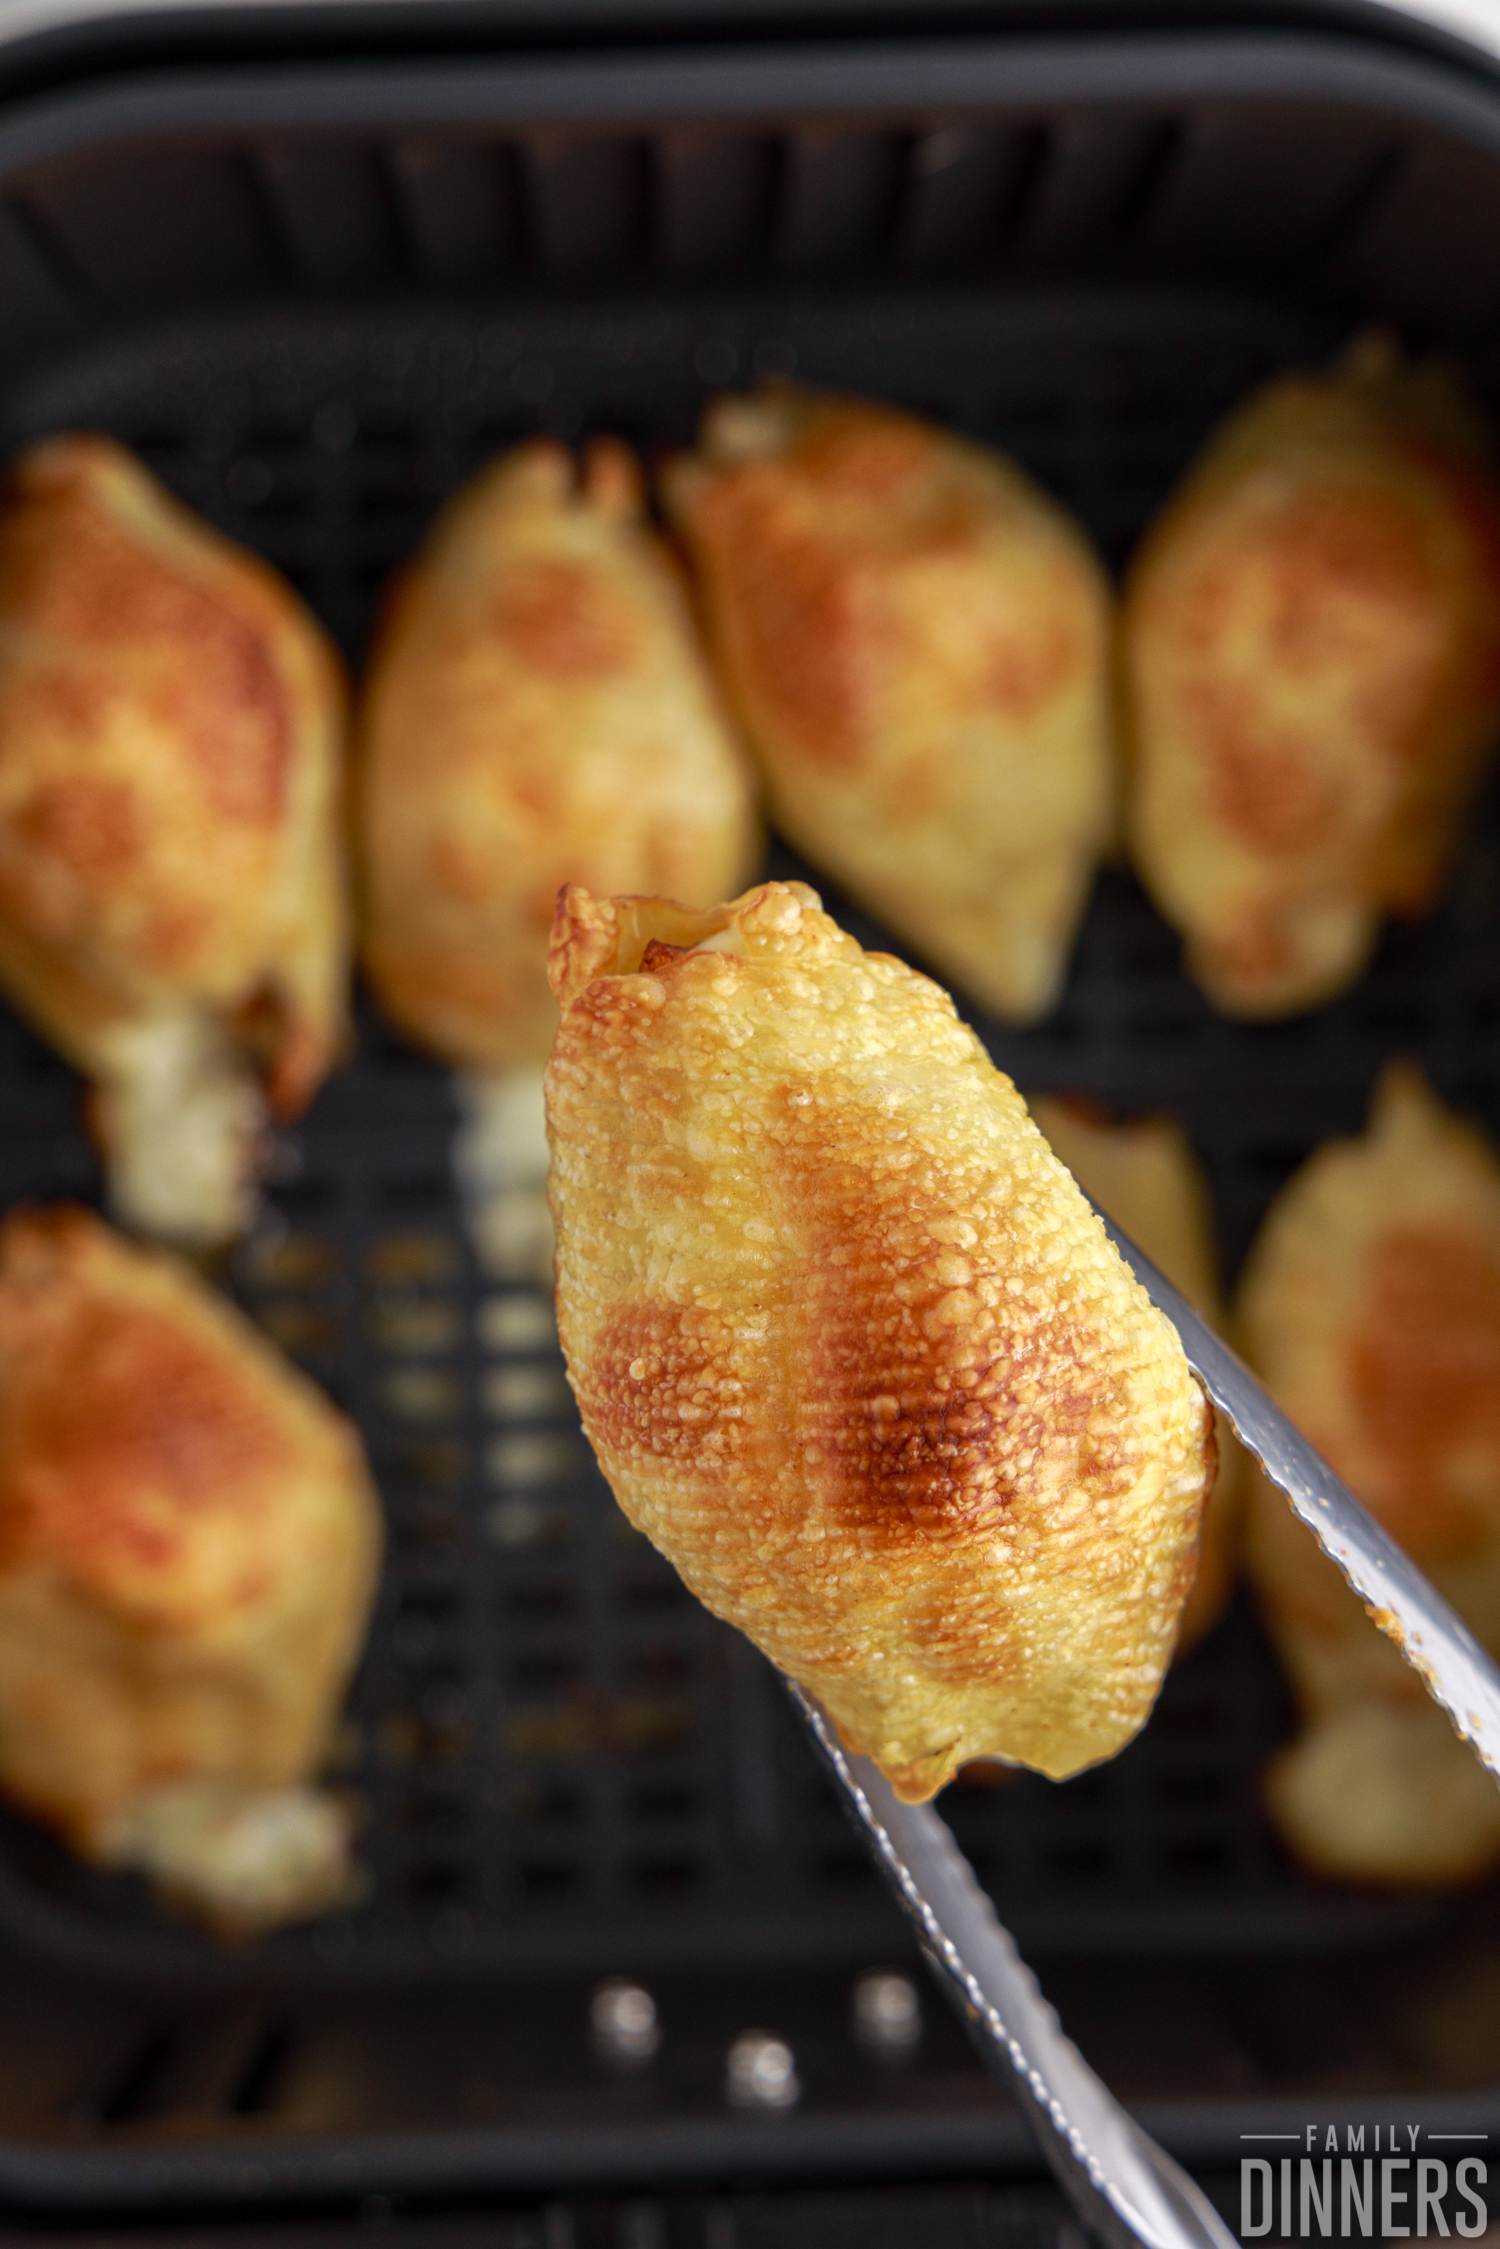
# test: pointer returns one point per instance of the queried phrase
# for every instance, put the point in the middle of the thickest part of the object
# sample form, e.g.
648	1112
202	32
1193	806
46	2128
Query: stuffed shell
917	642
1371	1307
188	1548
172	900
851	1347
1312	665
538	712
1145	1176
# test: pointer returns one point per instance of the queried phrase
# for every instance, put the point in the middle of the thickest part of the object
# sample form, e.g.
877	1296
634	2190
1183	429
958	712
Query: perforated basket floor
563	1762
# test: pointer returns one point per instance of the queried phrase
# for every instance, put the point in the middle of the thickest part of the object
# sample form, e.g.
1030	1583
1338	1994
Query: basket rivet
761	2072
887	2013
623	2024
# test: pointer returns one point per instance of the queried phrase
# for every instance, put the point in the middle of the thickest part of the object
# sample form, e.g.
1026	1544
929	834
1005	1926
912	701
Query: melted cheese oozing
245	1858
181	1118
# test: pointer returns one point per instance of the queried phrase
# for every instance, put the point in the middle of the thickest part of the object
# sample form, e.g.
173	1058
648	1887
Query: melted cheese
182	1118
246	1859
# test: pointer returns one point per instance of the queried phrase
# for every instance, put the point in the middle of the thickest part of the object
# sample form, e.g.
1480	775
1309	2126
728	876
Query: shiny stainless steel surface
1124	2187
1451	1664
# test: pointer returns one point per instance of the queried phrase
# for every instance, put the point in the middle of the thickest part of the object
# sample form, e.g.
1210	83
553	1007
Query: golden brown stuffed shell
1312	658
188	1547
1145	1175
538	713
916	639
851	1347
172	908
1371	1307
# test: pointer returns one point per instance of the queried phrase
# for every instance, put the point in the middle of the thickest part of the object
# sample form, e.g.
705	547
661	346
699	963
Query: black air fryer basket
315	293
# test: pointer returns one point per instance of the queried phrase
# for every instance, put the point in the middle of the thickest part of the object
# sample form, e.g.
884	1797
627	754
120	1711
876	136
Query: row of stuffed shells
911	642
1302	685
189	1562
172	852
177	904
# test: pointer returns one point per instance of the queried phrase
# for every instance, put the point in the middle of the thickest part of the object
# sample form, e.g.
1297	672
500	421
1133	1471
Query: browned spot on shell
656	1384
131	1430
918	1403
1028	666
1260	783
1424	1369
562	619
197	666
1339	564
88	823
235	717
809	625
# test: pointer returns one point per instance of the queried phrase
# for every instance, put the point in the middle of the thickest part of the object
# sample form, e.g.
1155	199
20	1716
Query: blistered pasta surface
852	1348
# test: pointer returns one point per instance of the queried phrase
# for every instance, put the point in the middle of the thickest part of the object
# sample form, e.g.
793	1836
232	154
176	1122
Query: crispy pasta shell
189	1539
1371	1307
1311	639
917	642
538	712
1145	1175
172	901
850	1345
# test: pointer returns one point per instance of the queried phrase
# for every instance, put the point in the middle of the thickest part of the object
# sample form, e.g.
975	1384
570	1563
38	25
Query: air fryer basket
314	300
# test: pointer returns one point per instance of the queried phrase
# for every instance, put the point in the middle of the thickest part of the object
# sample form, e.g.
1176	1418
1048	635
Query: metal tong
1124	2188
